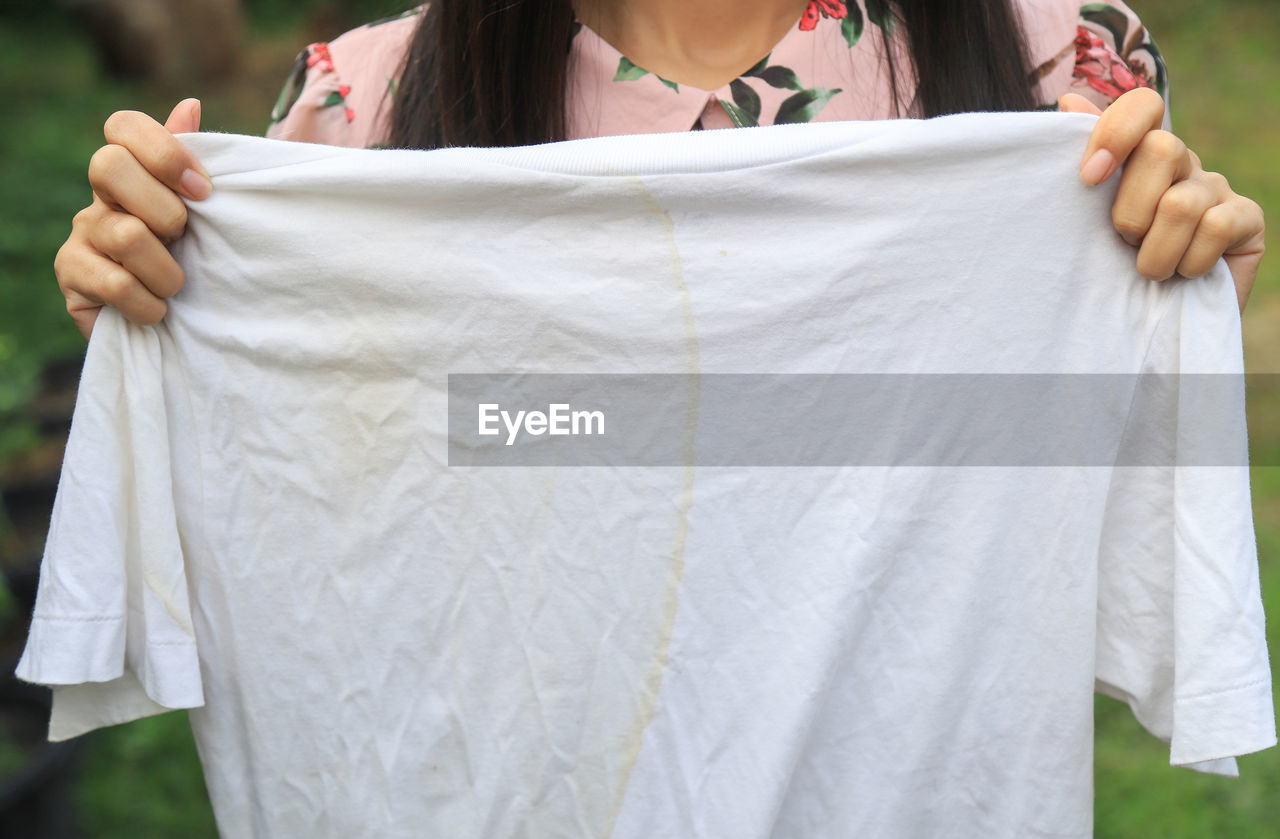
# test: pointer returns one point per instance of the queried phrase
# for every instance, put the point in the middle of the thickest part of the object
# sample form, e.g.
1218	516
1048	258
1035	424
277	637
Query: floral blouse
827	67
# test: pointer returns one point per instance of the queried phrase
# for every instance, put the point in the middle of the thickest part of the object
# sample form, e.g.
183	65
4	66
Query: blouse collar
609	95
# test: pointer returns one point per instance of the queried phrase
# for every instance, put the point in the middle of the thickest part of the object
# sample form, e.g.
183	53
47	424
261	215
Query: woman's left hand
1180	217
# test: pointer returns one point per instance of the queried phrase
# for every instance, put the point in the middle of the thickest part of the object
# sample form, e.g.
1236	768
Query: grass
143	779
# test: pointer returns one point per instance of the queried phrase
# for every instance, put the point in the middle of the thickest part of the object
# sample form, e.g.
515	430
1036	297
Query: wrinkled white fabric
257	520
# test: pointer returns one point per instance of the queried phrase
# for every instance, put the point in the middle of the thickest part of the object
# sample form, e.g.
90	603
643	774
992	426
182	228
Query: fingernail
1131	239
195	185
1098	167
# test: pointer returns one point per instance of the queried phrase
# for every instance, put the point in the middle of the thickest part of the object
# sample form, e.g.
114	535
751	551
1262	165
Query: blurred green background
143	779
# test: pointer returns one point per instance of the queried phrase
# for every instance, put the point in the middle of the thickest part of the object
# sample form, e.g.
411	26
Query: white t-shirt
258	520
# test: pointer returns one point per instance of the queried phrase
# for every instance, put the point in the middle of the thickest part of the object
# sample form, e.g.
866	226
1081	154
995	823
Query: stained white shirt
264	515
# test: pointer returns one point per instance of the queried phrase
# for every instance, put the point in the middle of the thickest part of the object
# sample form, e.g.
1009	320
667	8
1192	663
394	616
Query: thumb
1074	103
185	117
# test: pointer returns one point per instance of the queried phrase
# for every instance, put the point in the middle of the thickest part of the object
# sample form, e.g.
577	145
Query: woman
497	72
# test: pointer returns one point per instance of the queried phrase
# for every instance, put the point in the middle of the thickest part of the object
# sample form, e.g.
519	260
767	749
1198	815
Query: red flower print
343	90
822	8
351	115
1102	69
318	55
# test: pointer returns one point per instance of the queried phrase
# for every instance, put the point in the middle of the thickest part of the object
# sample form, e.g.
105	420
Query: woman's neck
703	43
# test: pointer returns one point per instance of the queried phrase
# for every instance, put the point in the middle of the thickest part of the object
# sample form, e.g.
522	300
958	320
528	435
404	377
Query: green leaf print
292	88
1162	74
851	26
881	15
804	106
746	99
779	76
758	66
334	98
1109	18
629	71
740	118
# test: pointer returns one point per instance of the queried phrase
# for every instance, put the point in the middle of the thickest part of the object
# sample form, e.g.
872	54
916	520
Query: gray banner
846	420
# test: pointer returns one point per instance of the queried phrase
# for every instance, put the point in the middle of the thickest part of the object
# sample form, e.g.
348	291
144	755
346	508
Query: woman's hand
116	255
1180	217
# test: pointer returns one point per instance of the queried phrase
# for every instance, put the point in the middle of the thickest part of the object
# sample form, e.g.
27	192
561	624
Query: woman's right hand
116	254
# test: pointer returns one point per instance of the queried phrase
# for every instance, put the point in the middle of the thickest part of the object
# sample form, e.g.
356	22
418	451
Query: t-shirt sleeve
112	633
1180	631
339	92
1097	50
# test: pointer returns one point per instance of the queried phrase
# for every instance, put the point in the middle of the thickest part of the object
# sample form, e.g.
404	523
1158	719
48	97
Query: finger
185	117
90	280
125	239
1179	214
1244	269
159	152
1119	130
1225	229
84	318
1160	161
119	179
1074	103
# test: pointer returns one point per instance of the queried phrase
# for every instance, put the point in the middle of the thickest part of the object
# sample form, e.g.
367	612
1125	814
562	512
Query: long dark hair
493	72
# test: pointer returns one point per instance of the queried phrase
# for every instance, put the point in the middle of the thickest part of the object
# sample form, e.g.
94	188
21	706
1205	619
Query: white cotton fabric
256	519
